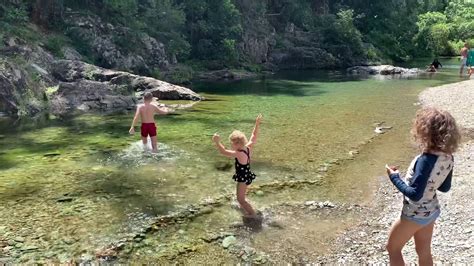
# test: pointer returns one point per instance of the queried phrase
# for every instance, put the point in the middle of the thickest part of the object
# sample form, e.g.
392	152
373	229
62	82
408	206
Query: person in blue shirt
438	136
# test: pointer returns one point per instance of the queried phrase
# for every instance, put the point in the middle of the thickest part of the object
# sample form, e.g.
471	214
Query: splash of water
138	154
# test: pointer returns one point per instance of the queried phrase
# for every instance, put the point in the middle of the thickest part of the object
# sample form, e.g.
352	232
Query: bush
55	43
156	73
181	75
16	15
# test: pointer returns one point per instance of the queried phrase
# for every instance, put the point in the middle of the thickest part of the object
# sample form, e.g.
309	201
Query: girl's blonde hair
238	138
436	130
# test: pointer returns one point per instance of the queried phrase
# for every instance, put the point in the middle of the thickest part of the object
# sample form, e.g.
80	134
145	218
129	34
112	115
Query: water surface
69	186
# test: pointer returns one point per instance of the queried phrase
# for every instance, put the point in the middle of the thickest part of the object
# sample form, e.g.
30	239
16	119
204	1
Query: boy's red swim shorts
148	129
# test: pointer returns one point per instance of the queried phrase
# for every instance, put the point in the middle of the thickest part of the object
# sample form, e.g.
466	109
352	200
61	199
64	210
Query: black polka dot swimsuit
242	171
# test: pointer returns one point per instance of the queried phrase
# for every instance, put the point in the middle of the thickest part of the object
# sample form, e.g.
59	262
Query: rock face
87	87
30	77
14	91
382	70
117	47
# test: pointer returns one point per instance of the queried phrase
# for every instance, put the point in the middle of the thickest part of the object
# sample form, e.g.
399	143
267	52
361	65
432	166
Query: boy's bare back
147	112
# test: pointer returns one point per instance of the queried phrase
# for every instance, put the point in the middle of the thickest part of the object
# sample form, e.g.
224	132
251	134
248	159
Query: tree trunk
47	13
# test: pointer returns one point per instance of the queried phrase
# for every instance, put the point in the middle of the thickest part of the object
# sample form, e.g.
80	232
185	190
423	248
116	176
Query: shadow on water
6	163
129	192
260	87
21	191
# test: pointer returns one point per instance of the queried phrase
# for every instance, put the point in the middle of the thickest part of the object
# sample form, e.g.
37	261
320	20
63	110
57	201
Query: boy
147	111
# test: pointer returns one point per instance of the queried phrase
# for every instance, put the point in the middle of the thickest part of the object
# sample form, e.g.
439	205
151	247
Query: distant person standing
463	53
436	63
470	62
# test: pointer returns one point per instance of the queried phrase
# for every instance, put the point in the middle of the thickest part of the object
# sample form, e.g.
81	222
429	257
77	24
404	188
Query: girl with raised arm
241	150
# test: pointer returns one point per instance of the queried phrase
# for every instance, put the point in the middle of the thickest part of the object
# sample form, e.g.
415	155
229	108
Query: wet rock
52	154
19	239
229	241
382	70
211	238
65	199
354	152
207	210
28	248
259	193
275	224
329	204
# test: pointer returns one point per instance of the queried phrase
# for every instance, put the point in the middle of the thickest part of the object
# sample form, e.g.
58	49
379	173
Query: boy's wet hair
436	130
238	138
148	96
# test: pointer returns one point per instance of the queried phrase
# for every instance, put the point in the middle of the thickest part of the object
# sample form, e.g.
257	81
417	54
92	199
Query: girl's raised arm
253	138
228	153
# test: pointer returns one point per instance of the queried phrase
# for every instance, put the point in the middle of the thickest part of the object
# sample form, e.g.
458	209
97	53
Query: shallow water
71	186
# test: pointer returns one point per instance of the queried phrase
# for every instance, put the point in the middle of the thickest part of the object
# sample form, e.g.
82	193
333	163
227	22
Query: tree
47	13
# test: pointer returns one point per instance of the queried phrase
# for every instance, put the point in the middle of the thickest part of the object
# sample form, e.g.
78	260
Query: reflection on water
69	186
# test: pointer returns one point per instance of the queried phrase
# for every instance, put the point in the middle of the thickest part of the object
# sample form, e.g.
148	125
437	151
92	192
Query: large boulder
382	70
117	47
87	95
72	71
87	87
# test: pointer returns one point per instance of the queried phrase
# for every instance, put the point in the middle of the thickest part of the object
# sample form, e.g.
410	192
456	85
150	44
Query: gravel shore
453	240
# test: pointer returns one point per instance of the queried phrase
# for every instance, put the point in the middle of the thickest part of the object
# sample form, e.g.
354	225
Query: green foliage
50	91
15	14
124	9
442	32
156	73
346	30
181	74
209	33
214	26
55	43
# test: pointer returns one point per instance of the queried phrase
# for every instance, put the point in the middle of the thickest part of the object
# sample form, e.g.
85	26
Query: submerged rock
229	241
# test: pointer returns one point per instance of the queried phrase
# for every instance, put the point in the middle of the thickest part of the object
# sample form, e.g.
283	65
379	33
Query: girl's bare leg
423	245
402	230
241	190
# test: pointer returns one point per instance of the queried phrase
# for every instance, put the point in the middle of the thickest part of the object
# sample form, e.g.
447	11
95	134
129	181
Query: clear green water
71	186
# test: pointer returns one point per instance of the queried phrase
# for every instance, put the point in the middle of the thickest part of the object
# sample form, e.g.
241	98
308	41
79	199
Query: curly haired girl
438	136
